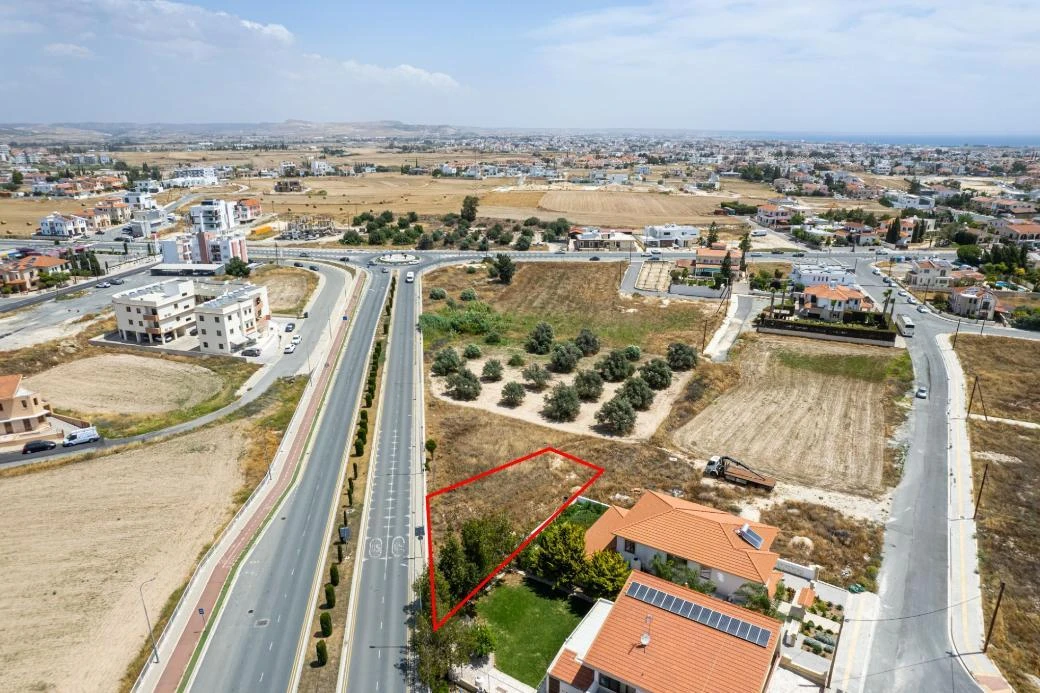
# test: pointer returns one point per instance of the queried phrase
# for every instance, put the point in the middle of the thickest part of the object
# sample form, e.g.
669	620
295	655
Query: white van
82	435
758	233
410	277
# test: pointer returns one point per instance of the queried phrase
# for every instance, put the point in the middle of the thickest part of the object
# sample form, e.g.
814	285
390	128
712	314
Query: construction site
303	227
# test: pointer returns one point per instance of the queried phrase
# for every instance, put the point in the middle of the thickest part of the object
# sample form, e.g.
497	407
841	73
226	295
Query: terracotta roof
33	262
572	672
768	208
701	534
711	252
806	597
837	293
601	534
9	385
683	656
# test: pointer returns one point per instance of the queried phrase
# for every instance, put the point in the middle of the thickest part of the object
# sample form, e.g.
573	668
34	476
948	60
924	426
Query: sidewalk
967	626
487	679
207	586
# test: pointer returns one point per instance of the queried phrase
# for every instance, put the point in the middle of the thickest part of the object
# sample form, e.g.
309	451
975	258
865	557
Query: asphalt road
379	654
253	646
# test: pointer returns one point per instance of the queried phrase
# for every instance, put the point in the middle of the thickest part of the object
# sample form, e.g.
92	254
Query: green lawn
529	622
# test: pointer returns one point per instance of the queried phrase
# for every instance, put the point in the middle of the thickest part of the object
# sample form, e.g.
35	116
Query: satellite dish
644	639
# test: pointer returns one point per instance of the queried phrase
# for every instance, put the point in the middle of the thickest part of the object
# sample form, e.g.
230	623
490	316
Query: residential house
784	185
831	301
595	239
218	248
1027	232
709	261
140	200
63	225
213	216
321	167
235	318
96	221
811	275
671	236
930	274
247	210
115	208
176	250
974	302
153	187
773	215
708	542
155	313
288	186
659	637
24	274
904	200
21	410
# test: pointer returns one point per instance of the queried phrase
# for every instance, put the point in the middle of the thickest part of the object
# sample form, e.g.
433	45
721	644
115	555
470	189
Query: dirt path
802	426
78	541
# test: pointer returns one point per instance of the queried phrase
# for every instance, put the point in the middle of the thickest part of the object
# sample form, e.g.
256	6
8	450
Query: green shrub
464	385
471	269
564	357
588	342
472	351
493	338
468	295
513	394
492	370
322	653
516	361
334	575
615	366
446	362
541	338
681	357
617	415
326	624
657	374
562	404
638	393
330	596
537	375
632	352
438	294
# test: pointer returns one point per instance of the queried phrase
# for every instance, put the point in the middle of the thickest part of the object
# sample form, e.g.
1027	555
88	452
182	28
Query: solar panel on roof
667	603
763	638
659	598
633	587
723	623
750	536
705	615
677	605
687	607
641	592
649	596
695	612
752	634
713	622
744	628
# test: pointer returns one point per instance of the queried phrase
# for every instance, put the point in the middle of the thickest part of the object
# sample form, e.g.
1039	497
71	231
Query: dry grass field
20	218
571	296
1009	542
1002	364
806	411
80	539
288	288
98	385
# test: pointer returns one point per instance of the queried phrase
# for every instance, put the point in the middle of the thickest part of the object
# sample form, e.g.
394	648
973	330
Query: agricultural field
1000	363
288	288
1009	542
808	412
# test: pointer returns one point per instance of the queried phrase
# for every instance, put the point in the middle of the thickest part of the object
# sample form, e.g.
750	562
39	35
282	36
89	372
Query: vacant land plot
20	218
571	296
288	288
150	512
1009	542
806	411
635	209
99	384
529	623
1004	366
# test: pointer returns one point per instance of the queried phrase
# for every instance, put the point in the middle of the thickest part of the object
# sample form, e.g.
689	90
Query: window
203	331
220	346
705	573
615	685
128	309
219	333
25	404
630	546
202	318
205	345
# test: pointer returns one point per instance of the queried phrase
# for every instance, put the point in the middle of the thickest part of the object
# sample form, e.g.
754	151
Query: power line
906	618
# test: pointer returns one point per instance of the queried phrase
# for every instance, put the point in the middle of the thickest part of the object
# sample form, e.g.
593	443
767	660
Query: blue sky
926	66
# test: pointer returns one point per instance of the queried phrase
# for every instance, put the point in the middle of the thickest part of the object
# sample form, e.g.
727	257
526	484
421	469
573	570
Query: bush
618	415
681	357
638	393
615	366
330	596
516	361
537	375
438	294
468	295
471	269
657	374
483	641
587	342
564	358
464	385
446	362
562	404
632	352
326	624
513	394
492	370
493	338
541	338
334	575
589	385
322	653
472	351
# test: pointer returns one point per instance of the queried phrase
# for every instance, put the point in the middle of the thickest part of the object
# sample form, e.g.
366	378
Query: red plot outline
531	537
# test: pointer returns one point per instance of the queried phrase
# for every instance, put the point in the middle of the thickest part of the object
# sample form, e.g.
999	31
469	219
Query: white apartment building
811	275
235	318
140	200
176	250
218	248
213	216
155	313
671	236
287	168
63	225
192	177
149	186
321	167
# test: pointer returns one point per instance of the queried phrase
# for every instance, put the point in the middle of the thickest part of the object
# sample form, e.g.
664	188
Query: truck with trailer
732	469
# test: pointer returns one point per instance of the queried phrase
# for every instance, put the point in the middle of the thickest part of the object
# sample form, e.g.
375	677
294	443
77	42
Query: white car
922	393
296	339
876	272
289	348
911	300
902	292
923	309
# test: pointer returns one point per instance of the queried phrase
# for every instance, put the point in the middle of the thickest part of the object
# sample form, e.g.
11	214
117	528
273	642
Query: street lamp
151	633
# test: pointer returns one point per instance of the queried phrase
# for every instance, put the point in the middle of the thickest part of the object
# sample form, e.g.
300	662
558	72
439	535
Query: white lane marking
270	645
261	676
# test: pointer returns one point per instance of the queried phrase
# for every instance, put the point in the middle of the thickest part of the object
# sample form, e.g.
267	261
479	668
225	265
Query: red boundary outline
531	537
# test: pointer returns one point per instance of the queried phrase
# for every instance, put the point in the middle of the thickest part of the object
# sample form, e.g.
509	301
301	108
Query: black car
594	258
297	264
798	254
289	327
253	351
344	259
313	268
38	446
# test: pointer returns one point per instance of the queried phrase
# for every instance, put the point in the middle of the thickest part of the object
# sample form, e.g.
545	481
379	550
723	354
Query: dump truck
732	469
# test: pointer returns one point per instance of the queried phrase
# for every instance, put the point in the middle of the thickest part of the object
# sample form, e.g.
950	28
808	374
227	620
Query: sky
884	66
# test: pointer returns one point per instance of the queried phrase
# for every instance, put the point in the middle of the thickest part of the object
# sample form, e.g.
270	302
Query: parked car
923	309
297	338
903	292
290	326
777	251
169	337
118	282
876	272
251	351
594	258
312	268
38	446
289	348
297	264
561	251
911	300
103	285
922	392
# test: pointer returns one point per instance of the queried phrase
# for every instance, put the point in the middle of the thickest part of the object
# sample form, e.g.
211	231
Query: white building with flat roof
671	236
176	250
236	318
155	313
213	216
811	275
193	177
140	200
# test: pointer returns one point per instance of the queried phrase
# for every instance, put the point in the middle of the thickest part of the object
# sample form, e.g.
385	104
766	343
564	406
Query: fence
802	571
699	291
832	332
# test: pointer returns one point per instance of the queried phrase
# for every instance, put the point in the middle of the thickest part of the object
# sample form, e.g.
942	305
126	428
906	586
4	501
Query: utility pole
978	496
704	337
956	332
993	619
151	633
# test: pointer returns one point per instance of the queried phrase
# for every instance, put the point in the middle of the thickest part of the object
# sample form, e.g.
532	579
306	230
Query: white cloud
403	73
275	31
68	50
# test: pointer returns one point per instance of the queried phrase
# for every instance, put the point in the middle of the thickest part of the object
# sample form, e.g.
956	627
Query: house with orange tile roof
709	261
117	210
830	302
975	302
708	542
774	215
25	274
659	637
21	410
930	274
1021	232
247	210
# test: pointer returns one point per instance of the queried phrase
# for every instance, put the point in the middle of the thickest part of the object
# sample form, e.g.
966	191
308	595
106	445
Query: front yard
529	622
